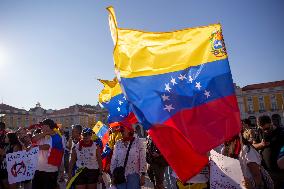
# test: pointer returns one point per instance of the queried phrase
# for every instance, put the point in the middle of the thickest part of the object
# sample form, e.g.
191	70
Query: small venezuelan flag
112	98
180	87
101	131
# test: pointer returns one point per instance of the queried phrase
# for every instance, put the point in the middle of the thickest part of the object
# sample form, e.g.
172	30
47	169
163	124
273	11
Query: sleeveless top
87	157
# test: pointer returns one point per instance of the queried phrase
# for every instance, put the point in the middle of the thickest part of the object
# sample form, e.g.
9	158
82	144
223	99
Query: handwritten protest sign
22	165
225	172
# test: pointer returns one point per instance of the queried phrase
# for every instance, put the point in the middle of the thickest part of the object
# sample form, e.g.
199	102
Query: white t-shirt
246	157
43	156
136	162
87	156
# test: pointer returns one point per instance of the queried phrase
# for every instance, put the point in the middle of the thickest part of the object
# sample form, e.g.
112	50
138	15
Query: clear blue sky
53	51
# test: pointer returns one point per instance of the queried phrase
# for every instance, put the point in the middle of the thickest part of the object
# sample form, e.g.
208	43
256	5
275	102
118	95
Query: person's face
244	125
87	138
45	128
24	137
250	138
125	133
266	127
76	134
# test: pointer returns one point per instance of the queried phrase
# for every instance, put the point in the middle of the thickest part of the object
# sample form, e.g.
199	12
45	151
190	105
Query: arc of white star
190	79
120	102
173	81
182	77
118	109
165	97
207	94
169	107
124	97
198	85
168	88
121	116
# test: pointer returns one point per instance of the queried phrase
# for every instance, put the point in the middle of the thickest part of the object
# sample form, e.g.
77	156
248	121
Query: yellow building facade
85	115
15	118
264	99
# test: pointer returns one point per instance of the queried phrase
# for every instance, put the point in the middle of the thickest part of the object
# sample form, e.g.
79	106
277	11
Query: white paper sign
225	172
22	165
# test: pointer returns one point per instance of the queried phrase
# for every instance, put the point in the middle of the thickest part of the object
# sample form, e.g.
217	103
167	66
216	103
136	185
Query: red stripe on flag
178	152
131	118
187	135
208	125
105	139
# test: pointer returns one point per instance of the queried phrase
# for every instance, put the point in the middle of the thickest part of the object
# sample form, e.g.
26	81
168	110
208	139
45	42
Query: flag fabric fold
180	87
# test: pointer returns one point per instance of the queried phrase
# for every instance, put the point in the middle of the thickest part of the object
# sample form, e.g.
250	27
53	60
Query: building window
273	102
261	104
250	104
250	99
27	123
250	108
261	107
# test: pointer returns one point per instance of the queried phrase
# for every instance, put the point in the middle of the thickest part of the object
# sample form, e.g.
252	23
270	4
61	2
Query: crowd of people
83	162
260	152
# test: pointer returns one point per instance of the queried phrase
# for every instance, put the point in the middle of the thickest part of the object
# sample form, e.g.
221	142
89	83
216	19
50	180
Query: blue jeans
132	182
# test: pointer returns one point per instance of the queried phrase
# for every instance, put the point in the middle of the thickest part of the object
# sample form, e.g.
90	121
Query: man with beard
269	140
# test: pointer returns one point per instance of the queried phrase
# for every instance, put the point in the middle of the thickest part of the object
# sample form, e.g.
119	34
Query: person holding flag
50	156
112	98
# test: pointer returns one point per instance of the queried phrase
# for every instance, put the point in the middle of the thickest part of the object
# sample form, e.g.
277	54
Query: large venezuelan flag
180	87
112	98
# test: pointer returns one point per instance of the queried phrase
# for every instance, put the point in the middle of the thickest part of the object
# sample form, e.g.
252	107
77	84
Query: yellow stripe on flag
97	127
57	131
111	89
139	53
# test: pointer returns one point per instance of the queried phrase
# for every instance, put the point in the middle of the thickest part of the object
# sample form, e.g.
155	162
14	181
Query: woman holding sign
13	145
